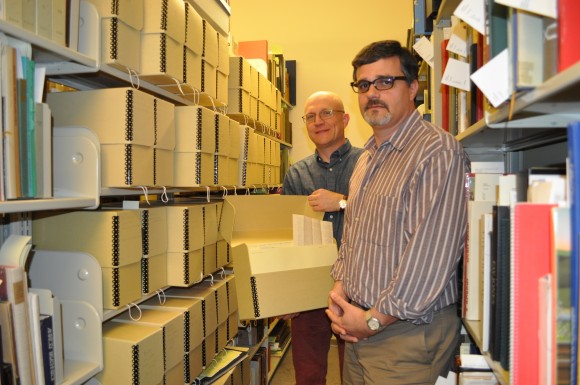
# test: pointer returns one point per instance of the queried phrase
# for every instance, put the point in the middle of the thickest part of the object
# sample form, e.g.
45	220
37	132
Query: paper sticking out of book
311	231
222	363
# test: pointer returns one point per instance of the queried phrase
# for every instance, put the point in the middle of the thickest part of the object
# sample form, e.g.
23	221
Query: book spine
573	178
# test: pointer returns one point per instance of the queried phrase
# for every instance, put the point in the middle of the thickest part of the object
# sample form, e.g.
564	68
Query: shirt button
330	169
331	216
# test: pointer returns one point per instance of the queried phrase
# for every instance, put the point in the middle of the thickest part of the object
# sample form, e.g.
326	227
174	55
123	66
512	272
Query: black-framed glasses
381	84
325	114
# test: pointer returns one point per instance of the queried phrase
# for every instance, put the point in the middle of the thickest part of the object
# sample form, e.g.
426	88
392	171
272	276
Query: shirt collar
336	155
401	136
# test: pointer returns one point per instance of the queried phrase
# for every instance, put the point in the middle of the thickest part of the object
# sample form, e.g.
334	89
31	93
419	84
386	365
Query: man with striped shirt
395	293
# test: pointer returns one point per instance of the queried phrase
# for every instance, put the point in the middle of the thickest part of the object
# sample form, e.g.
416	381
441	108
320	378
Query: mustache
373	103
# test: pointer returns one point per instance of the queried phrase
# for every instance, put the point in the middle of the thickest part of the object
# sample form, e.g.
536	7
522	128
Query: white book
50	305
486	227
37	359
43	143
14	288
471	290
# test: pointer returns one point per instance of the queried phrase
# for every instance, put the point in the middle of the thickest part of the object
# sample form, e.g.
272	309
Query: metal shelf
56	58
539	117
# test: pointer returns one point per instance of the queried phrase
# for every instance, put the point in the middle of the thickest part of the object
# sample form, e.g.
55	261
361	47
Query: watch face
373	323
342	204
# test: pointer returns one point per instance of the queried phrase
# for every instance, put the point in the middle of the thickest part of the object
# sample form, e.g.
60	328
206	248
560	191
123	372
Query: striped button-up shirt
405	223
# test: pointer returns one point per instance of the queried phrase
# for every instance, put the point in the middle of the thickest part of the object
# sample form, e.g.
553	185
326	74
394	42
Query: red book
531	260
568	32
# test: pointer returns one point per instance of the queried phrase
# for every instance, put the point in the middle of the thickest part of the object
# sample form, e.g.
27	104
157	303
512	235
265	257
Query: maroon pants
311	336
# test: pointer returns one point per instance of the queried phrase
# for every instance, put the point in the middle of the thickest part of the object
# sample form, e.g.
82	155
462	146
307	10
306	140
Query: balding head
325	122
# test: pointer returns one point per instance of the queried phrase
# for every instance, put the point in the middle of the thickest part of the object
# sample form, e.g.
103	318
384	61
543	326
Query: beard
375	117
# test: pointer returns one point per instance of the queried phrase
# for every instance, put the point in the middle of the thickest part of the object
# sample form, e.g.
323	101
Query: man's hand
324	200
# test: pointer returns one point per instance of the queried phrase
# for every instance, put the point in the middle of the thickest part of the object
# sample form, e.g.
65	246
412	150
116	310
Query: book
530	261
471	258
526	49
37	348
8	342
568	32
10	123
51	318
485	227
14	288
500	283
573	175
43	149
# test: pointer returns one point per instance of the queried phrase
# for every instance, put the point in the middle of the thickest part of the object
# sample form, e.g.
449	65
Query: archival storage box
273	275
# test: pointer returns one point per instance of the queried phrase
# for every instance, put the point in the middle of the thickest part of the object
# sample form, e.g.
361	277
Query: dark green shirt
312	173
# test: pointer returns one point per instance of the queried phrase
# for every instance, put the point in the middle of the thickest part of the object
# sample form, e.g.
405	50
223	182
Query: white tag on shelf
473	13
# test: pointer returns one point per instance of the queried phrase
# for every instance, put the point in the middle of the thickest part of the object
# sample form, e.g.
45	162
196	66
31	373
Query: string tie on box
130	305
161	296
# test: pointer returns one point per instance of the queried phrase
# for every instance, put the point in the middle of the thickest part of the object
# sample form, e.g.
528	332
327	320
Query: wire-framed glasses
324	114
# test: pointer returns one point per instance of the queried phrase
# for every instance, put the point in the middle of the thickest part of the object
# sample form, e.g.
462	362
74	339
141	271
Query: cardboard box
121	366
208	78
126	165
195	129
193	318
232	322
232	172
253	107
194	361
164	161
153	273
208	303
120	45
115	115
273	276
221	87
176	374
194	30
185	227
113	237
223	65
164	123
165	17
254	82
239	74
193	169
161	59
192	75
220	177
238	101
128	11
121	285
235	134
210	46
222	253
184	268
170	322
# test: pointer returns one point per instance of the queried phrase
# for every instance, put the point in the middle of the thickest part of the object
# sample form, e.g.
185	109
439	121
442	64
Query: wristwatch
342	202
373	323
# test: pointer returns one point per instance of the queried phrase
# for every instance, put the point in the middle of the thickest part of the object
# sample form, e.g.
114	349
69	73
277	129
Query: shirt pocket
383	220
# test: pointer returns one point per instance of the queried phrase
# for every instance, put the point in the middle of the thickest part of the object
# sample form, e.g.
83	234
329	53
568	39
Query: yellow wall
322	36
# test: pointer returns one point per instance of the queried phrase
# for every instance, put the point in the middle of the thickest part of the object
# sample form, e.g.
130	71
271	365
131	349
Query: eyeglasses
381	84
325	114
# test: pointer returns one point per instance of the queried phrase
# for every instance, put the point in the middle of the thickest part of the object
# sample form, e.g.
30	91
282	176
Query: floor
284	374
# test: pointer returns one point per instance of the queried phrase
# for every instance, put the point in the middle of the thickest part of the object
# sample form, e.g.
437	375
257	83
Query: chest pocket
381	210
